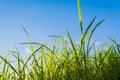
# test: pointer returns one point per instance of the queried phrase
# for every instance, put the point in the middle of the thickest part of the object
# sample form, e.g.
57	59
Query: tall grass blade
80	16
72	44
92	33
85	34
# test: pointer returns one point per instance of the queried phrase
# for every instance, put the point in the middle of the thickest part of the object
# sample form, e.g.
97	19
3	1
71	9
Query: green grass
81	61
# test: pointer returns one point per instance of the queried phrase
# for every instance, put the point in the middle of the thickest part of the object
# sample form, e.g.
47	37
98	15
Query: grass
81	61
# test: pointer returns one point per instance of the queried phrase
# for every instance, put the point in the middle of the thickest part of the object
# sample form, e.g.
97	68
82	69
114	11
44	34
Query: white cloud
28	50
97	43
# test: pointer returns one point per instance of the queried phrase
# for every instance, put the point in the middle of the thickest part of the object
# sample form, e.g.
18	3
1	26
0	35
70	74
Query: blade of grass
80	16
84	35
92	33
9	64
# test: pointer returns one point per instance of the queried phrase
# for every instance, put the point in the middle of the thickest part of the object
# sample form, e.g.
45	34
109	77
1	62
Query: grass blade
80	16
8	63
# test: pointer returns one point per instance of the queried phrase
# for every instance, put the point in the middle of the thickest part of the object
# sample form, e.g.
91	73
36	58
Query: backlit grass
64	61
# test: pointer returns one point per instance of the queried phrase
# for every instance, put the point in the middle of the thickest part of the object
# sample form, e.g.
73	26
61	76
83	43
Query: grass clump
71	62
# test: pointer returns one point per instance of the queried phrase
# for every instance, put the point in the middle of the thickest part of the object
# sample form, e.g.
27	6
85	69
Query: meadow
65	60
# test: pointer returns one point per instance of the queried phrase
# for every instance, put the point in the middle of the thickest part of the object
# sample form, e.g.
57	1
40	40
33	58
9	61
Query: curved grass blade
26	31
71	42
92	33
32	48
74	49
9	65
42	45
30	57
85	34
115	42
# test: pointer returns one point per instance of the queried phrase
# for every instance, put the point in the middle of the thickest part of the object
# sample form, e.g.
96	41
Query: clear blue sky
42	18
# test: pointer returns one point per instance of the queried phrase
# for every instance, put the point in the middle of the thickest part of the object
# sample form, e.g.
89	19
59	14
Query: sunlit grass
64	60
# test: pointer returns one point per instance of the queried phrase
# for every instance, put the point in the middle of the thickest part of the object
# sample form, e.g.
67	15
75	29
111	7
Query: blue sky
42	18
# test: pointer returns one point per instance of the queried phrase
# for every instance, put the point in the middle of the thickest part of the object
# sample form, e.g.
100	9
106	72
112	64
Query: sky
42	18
